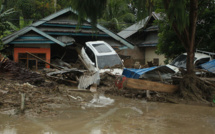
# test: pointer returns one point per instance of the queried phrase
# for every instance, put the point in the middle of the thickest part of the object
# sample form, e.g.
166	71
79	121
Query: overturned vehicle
98	55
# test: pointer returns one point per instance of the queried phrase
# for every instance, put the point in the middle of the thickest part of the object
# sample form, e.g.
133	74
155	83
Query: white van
99	55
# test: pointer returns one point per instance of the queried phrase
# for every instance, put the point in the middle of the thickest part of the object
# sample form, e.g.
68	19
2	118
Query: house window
155	61
30	62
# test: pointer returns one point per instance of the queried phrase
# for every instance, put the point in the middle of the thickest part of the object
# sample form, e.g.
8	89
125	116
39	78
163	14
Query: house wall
150	55
32	50
136	54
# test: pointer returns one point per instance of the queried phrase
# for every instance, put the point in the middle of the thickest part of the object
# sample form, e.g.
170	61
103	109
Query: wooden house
57	36
145	37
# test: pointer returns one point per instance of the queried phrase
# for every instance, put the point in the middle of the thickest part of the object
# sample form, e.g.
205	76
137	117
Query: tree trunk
190	61
191	38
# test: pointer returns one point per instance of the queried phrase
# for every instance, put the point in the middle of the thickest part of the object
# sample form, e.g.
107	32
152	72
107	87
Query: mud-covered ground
46	97
43	96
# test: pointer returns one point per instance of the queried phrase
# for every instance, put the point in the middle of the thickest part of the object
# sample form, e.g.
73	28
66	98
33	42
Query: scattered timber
49	64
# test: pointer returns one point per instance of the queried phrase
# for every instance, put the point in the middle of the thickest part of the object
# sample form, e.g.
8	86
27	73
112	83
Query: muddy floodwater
115	115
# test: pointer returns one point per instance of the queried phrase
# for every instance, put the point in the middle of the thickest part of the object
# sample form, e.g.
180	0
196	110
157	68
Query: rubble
20	73
37	92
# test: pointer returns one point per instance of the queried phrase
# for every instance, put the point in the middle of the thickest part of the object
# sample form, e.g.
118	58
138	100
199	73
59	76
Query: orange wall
33	50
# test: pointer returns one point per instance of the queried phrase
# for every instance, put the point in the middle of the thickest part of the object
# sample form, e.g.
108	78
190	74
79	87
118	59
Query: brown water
123	116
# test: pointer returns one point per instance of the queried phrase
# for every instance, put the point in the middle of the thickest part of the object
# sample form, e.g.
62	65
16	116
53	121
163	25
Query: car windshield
108	61
180	61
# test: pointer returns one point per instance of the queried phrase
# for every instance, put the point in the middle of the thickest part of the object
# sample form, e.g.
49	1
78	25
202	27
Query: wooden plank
149	85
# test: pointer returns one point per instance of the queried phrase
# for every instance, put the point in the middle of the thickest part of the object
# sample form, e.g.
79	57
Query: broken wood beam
48	63
56	78
149	85
44	61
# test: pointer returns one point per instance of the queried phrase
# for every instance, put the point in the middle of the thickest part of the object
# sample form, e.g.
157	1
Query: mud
123	116
43	96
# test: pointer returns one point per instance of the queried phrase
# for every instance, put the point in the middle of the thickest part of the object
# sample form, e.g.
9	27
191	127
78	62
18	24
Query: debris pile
20	73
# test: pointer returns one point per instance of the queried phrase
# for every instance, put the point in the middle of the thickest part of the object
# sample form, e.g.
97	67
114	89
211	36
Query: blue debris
209	66
136	73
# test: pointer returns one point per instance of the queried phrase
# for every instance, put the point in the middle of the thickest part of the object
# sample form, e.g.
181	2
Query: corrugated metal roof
158	16
209	66
57	14
133	28
139	25
22	32
151	28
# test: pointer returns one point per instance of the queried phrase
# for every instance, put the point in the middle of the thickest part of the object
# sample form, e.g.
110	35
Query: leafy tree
168	43
206	26
4	24
117	15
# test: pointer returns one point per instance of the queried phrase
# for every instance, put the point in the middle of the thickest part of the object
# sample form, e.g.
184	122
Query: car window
90	54
180	61
108	61
101	48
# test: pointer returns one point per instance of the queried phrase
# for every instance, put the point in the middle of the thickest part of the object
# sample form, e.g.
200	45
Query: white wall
150	55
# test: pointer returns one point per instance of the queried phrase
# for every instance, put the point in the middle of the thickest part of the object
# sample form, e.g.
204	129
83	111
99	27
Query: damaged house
57	36
145	37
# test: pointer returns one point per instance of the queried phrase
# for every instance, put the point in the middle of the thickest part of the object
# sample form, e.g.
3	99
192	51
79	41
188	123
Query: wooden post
22	102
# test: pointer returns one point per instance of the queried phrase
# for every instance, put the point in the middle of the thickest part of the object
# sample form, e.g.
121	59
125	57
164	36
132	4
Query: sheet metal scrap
67	75
88	79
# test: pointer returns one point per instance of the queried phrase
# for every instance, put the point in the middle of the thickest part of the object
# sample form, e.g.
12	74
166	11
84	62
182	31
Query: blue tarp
209	66
136	73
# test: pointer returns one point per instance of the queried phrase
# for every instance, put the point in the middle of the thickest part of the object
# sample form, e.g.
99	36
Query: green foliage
89	9
4	25
206	27
168	43
144	7
117	15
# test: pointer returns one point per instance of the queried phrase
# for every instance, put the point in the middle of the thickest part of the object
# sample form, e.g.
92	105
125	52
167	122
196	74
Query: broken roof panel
139	25
133	28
